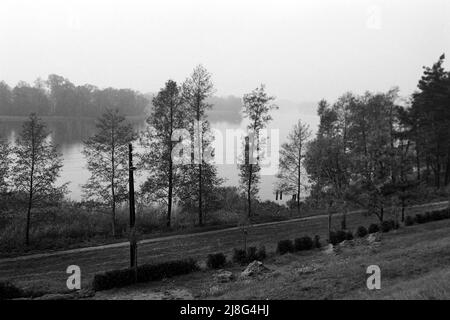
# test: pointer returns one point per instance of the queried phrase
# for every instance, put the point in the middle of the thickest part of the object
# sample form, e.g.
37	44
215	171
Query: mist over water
69	134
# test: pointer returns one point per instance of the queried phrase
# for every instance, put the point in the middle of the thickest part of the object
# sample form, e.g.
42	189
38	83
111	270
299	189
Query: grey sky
302	50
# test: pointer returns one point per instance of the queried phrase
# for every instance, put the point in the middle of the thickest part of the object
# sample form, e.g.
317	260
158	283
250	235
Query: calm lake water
69	133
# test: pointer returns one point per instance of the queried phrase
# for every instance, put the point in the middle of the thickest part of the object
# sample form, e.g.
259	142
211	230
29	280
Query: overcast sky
302	50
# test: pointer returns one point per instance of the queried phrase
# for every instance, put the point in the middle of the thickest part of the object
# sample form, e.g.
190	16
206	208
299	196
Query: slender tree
291	161
196	90
37	166
159	145
257	106
107	160
190	189
5	159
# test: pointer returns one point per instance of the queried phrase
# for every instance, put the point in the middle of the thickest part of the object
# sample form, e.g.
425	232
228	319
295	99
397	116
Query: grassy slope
414	262
419	249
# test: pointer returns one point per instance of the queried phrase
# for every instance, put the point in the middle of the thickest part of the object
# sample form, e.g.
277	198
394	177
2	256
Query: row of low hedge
299	244
428	217
146	272
10	291
153	272
341	235
241	256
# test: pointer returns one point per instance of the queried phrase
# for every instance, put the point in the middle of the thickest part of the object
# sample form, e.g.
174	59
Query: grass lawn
414	262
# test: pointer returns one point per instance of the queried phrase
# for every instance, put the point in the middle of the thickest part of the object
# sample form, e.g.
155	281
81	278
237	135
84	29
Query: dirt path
47	271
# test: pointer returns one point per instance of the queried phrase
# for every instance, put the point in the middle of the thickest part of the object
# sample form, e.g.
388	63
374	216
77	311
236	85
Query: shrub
361	232
146	272
317	243
251	254
303	243
409	221
10	291
373	228
285	246
395	225
386	226
341	235
333	238
419	218
348	235
261	254
239	256
439	215
216	261
337	237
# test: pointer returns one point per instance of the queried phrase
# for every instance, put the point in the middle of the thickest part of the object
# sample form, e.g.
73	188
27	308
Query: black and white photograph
219	156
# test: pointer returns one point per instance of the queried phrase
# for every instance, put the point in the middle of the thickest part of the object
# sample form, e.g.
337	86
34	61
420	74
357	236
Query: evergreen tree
430	116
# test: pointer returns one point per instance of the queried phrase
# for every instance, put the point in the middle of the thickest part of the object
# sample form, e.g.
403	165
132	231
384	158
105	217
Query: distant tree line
57	96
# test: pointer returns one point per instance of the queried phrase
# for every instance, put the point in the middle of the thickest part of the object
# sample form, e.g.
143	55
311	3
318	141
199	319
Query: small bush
303	243
337	237
373	228
216	261
261	254
348	235
395	225
386	226
409	221
361	232
145	273
341	235
317	243
252	254
439	215
239	256
419	218
10	291
285	246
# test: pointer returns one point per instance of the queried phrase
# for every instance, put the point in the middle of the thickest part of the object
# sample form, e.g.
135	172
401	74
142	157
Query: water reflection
69	134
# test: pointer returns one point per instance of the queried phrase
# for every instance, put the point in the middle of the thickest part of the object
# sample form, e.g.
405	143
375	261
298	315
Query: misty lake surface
69	134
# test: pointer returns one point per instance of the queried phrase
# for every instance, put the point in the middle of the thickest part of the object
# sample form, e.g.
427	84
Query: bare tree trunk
30	198
344	218
30	202
329	223
447	170
113	173
200	191
418	163
169	200
299	179
249	190
403	209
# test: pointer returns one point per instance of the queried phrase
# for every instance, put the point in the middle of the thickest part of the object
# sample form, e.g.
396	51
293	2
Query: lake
69	134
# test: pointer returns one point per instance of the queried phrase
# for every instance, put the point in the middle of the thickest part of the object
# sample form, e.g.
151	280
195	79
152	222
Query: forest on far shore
57	96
